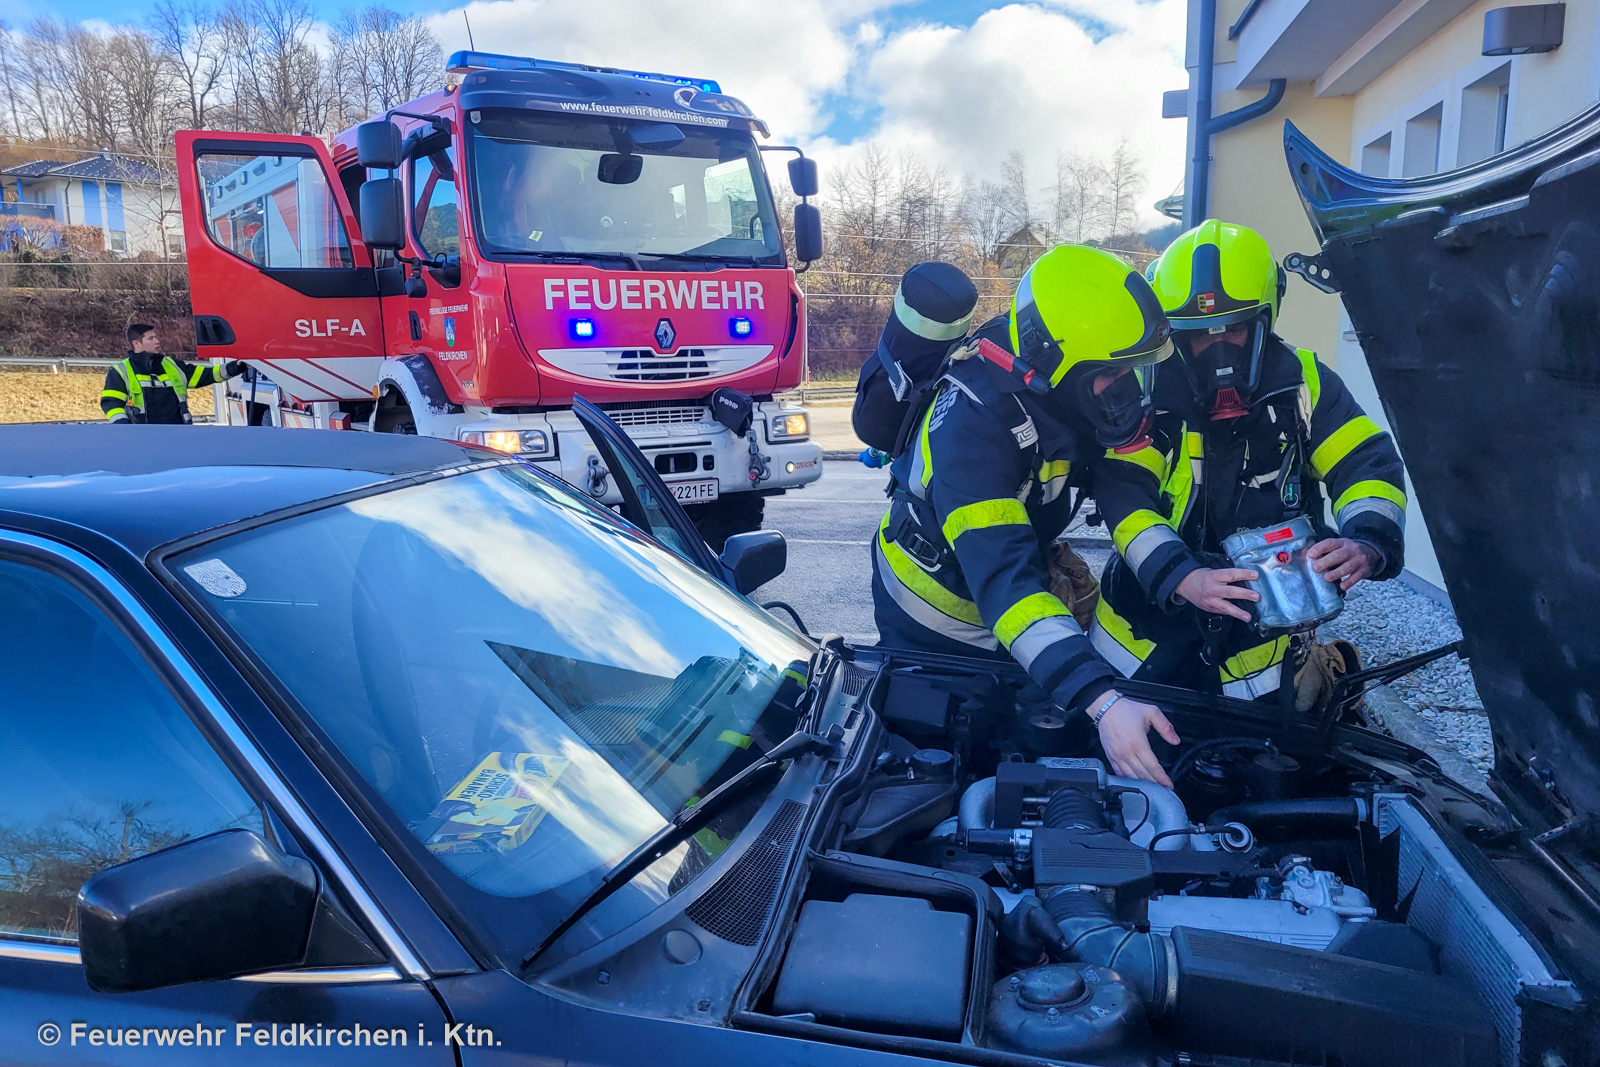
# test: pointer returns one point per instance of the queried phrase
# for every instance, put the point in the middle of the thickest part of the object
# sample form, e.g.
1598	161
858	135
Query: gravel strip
1389	621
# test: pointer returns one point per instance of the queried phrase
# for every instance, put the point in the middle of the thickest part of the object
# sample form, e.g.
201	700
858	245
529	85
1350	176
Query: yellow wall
1250	185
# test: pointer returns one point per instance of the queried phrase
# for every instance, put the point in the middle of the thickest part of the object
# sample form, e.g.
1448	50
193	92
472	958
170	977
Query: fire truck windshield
549	184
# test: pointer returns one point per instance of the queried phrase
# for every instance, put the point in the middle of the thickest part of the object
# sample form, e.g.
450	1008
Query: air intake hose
1093	935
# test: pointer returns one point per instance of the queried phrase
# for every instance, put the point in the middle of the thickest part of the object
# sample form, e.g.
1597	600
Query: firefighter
1248	432
980	491
147	386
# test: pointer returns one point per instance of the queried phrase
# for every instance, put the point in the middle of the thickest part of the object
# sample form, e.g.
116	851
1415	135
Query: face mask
1224	374
1119	412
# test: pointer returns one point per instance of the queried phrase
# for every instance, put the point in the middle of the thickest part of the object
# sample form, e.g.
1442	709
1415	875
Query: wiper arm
578	257
685	823
703	257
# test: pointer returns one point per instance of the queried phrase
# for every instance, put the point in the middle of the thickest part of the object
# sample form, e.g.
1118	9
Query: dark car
332	747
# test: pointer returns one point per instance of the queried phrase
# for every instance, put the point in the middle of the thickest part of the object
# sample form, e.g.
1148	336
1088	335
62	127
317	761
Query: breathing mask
1223	373
1118	412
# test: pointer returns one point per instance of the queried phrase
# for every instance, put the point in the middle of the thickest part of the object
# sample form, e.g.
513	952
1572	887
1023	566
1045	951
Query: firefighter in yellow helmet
1249	432
980	488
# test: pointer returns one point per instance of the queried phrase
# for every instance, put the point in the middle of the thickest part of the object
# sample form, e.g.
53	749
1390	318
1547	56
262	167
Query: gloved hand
234	367
1125	736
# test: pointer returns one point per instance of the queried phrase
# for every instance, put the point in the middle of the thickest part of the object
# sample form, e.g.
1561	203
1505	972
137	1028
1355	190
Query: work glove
233	368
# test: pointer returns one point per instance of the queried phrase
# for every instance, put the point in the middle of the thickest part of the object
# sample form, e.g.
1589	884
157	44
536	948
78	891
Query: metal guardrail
805	393
59	363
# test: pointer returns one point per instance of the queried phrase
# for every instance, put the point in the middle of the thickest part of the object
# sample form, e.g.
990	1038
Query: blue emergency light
740	326
581	329
465	61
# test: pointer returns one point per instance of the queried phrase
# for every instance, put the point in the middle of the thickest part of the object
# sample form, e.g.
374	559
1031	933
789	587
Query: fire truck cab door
277	271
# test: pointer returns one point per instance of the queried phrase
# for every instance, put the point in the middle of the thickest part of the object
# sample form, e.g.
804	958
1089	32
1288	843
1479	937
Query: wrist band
1100	712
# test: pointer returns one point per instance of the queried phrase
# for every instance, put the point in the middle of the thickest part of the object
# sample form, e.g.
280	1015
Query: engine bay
990	894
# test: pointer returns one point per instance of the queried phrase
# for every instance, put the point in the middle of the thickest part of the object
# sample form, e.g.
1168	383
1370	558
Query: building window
1422	143
174	244
1375	157
1484	106
118	240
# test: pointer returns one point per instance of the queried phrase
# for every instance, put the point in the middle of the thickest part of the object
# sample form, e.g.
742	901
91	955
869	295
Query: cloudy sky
959	81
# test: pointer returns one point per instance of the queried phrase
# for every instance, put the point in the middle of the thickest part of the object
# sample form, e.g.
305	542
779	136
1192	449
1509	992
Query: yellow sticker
498	805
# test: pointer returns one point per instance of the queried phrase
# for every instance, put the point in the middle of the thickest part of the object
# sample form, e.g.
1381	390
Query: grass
43	396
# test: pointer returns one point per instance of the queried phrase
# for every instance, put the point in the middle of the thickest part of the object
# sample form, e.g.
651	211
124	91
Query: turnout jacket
979	493
147	388
1198	481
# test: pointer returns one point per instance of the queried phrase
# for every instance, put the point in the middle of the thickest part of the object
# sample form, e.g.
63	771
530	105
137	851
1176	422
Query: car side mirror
378	145
383	214
807	232
803	176
217	907
754	559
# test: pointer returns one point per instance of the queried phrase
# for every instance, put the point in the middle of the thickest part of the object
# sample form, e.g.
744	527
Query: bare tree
380	59
1016	211
984	218
191	40
275	76
1125	185
1077	198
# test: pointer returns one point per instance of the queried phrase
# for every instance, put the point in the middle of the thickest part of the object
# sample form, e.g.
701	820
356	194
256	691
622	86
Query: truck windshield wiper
685	823
703	257
579	257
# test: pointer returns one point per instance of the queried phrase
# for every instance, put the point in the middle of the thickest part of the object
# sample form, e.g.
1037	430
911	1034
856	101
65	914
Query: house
1397	88
1016	253
128	200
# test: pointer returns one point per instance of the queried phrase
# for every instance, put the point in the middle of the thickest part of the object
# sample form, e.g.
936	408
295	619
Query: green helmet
1079	311
1212	278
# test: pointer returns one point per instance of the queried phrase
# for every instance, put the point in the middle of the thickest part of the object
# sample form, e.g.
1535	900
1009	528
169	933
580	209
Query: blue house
126	199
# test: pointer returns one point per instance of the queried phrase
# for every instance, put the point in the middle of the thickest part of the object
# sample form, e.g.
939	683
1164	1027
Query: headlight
789	424
515	442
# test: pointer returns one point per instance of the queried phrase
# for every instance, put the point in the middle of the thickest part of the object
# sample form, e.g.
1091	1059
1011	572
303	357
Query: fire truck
467	264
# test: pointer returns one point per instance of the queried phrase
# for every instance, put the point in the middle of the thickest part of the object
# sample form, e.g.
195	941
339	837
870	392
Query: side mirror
383	213
807	231
754	559
213	908
803	176
617	169
378	144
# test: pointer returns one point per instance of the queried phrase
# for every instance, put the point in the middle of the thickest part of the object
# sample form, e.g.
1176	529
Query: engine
993	889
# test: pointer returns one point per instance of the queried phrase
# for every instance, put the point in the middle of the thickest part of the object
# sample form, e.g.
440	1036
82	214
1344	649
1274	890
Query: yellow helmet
1080	310
1214	282
1217	274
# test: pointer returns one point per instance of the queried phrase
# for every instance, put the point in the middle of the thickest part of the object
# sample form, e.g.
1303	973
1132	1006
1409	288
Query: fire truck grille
646	365
650	413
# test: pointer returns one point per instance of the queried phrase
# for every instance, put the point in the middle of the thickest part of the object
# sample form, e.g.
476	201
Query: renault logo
665	335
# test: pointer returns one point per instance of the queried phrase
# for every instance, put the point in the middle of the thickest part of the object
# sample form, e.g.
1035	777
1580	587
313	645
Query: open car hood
1476	297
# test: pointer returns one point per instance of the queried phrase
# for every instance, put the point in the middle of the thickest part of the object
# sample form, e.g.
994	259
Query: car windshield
528	685
547	184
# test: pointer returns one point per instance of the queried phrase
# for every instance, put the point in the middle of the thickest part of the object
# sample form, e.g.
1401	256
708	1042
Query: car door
108	756
646	500
278	274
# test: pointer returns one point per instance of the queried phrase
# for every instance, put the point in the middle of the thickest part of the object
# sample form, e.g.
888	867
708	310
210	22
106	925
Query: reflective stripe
982	515
1051	469
194	379
174	378
117	414
1134	525
1377	489
113	394
1310	378
1256	686
922	462
1255	671
926	601
1341	442
1027	611
1027	645
1140	547
1114	640
1146	457
927	328
795	676
1385	508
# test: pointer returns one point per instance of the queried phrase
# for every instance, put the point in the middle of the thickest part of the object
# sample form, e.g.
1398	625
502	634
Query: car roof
143	486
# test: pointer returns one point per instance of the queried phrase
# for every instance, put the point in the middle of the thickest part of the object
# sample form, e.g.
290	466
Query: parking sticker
216	578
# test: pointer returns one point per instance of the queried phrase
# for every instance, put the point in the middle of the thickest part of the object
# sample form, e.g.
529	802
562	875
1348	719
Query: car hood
1475	295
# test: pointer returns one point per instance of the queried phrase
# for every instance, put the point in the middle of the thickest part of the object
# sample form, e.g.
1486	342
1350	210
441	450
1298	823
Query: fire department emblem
665	335
1207	301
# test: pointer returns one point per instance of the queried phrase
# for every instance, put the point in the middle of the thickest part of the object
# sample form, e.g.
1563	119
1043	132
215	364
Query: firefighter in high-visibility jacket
1248	432
147	386
980	490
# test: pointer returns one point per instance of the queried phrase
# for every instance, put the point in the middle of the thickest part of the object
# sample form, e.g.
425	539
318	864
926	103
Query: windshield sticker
216	578
643	111
497	806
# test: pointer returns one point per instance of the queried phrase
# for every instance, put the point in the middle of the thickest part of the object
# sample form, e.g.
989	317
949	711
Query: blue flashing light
740	326
464	61
581	329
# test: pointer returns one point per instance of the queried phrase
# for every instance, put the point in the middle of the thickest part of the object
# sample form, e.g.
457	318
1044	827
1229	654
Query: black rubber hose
1292	814
793	614
1093	935
1074	809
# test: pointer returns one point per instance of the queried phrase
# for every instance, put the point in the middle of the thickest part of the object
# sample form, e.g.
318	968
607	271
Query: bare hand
1212	589
1342	560
1125	735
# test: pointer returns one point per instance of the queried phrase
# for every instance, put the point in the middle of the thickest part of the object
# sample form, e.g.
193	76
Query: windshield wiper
578	257
704	257
684	825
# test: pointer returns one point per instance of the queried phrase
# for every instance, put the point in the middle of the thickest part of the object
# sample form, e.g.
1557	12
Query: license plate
694	492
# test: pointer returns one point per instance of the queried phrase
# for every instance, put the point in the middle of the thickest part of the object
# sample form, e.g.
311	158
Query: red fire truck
534	231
